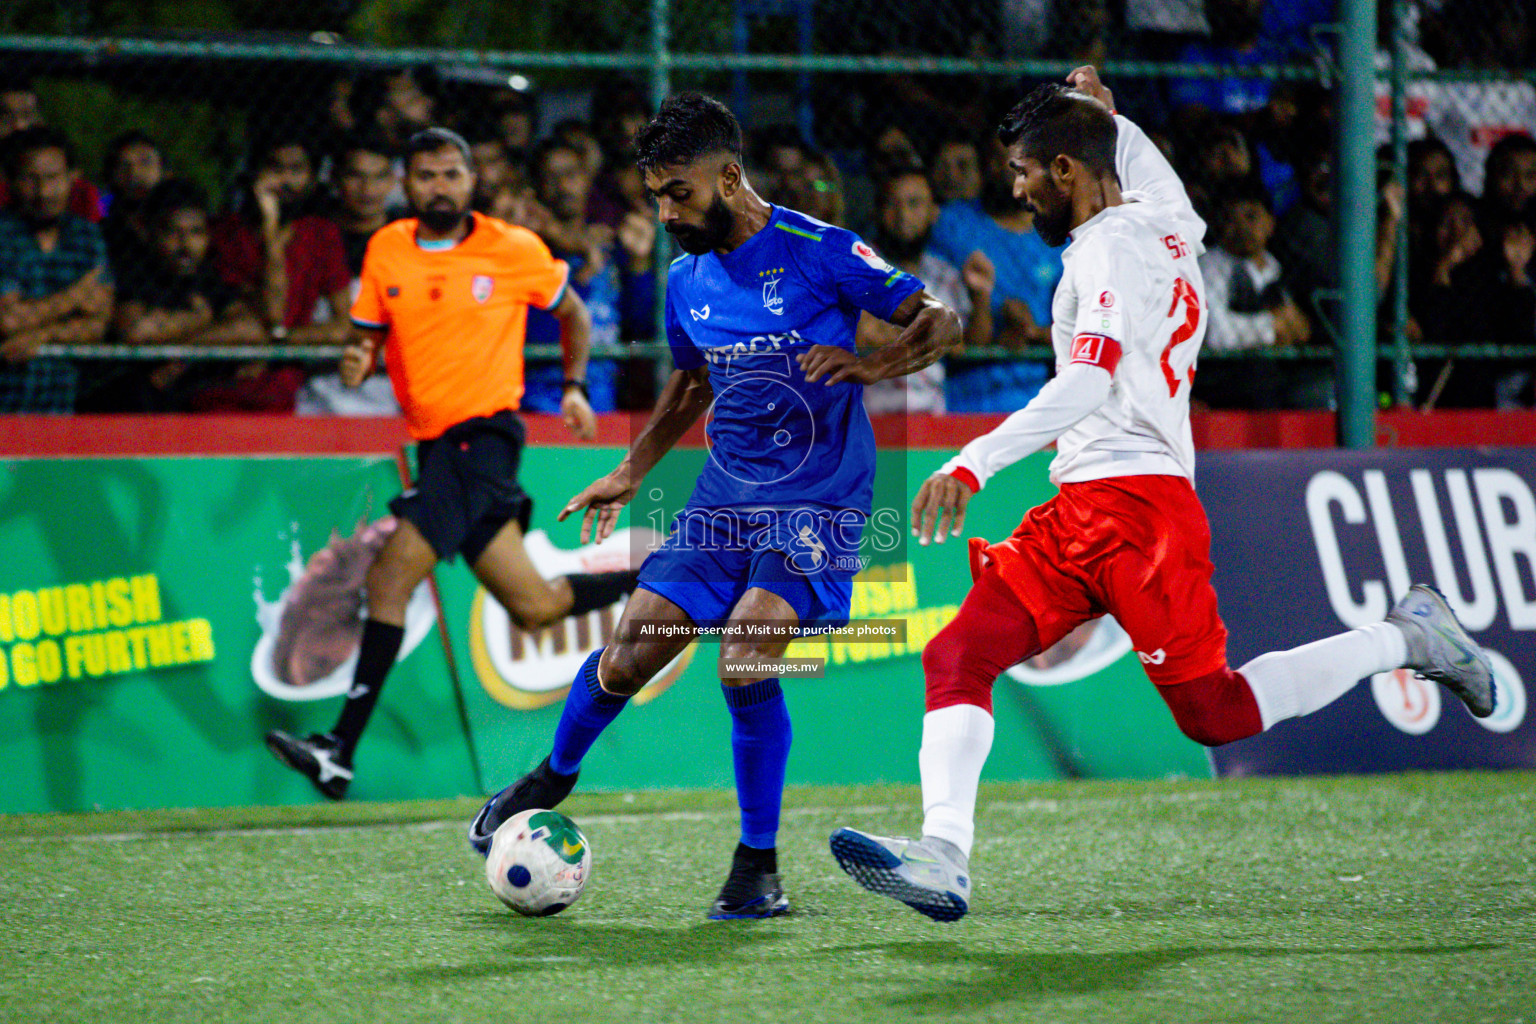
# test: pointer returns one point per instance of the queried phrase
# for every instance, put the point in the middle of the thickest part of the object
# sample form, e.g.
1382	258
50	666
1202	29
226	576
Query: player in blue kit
761	313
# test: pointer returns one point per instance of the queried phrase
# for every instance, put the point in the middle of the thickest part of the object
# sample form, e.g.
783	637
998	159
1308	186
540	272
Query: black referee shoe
541	789
317	757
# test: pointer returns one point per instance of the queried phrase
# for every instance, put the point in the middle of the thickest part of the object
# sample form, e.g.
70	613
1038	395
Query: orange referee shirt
455	318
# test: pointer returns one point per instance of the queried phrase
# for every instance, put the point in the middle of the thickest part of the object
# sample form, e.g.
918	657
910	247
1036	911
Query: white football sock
956	741
1289	684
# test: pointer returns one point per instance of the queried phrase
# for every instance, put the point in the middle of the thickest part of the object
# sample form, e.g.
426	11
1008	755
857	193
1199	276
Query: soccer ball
539	863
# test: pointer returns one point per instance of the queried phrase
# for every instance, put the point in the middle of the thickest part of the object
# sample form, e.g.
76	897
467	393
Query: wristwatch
572	382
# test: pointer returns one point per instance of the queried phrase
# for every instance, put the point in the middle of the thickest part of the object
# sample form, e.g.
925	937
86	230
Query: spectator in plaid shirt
55	283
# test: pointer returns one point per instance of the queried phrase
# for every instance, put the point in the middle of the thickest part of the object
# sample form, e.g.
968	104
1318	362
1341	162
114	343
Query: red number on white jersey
1183	295
1176	246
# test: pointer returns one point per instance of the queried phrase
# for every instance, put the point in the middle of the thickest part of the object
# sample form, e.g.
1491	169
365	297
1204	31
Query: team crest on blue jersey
771	301
482	287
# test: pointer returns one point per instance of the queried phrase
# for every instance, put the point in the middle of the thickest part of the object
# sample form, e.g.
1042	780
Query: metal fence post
1356	211
661	87
1405	379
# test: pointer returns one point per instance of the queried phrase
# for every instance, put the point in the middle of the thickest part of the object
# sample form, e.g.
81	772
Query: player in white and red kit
1126	535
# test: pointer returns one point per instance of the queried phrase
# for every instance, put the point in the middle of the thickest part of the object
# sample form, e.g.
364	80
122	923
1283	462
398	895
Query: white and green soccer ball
539	863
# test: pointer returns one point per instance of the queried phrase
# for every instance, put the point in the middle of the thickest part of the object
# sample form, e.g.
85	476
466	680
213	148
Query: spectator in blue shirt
955	165
1027	268
1237	40
610	270
1026	274
1256	105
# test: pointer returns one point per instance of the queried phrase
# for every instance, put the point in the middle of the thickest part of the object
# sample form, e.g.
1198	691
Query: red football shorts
1135	547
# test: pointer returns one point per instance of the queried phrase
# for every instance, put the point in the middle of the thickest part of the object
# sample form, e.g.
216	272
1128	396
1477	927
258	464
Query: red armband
1096	350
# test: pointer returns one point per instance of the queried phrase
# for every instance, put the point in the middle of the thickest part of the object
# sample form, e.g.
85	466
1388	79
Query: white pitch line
545	959
632	818
1049	805
228	833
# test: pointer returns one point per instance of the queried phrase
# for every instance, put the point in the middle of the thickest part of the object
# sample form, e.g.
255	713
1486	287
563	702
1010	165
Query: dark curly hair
17	146
173	195
688	126
430	140
1054	120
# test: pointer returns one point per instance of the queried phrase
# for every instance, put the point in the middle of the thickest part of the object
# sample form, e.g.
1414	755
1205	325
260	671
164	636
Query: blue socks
587	712
760	738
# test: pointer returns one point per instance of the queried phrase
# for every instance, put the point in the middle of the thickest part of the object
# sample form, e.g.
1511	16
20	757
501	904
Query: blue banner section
1307	544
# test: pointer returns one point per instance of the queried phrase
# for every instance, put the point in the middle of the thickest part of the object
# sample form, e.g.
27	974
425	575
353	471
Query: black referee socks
375	657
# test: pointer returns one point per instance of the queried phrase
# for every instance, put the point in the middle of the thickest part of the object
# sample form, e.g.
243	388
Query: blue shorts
807	555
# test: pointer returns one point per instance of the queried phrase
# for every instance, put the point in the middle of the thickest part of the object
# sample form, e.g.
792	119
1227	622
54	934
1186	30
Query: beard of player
719	221
441	215
1053	218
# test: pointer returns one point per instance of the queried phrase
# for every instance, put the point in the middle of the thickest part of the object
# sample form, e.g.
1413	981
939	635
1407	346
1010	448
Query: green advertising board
131	596
158	615
1094	716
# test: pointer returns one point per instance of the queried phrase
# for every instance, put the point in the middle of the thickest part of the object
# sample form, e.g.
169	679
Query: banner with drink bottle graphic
159	614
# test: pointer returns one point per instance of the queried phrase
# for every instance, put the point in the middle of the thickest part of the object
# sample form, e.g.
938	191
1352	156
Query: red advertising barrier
43	436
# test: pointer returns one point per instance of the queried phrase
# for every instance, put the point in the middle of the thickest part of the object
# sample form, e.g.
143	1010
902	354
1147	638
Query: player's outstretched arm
683	400
1139	164
930	329
1070	396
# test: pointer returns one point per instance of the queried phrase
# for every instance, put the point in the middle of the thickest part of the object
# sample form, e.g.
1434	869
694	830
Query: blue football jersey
776	440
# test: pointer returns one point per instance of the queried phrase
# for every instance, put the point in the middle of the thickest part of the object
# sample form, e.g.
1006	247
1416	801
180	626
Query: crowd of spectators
1255	153
143	256
149	258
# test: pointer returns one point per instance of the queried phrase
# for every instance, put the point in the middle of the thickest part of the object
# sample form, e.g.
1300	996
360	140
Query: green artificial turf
1390	898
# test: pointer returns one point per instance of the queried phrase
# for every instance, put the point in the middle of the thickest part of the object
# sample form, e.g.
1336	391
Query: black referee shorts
466	486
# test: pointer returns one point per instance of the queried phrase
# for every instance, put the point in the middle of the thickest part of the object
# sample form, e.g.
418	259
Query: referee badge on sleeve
482	287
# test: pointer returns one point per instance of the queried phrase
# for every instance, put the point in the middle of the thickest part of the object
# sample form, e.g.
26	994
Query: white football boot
1440	649
929	874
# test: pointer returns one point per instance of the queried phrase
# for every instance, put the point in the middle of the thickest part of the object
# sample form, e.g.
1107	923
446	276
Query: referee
448	292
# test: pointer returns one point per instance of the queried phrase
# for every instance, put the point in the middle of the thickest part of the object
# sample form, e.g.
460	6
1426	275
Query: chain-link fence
875	115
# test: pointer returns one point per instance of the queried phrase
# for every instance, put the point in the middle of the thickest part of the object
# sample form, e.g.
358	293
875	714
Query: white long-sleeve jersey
1128	319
